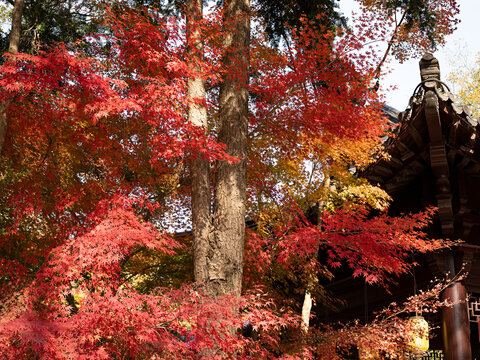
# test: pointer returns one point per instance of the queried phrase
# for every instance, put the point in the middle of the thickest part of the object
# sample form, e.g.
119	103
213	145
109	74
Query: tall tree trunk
197	115
14	40
13	49
225	255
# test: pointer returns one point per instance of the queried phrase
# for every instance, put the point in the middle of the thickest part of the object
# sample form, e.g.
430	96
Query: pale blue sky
406	76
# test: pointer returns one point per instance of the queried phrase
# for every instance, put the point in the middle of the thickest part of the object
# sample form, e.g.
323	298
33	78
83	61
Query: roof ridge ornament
430	76
429	67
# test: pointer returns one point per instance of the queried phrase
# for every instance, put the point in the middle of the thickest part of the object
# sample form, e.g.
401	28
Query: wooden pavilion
434	159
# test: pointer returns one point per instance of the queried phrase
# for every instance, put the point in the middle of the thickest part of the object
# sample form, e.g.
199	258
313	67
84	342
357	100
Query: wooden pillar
455	324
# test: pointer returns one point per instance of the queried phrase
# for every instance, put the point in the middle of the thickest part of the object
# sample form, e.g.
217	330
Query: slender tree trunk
225	255
306	309
307	301
197	115
13	49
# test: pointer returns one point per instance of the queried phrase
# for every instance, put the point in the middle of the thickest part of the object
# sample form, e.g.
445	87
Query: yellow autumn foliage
465	81
358	194
5	13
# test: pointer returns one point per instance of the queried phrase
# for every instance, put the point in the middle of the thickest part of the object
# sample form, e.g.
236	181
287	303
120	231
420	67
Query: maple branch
459	276
50	142
369	43
142	271
389	46
355	232
277	205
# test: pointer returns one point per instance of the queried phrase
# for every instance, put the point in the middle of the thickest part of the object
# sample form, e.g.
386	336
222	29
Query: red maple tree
96	157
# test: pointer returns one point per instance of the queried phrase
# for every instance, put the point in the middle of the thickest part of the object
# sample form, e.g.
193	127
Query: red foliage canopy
97	142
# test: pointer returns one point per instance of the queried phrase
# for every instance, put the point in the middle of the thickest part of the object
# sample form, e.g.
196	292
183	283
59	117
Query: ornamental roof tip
429	67
430	80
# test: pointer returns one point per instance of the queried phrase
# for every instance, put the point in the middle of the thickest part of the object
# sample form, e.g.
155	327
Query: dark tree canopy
281	16
417	12
50	21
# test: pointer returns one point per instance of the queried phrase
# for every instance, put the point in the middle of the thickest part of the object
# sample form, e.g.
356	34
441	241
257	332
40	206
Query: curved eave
407	153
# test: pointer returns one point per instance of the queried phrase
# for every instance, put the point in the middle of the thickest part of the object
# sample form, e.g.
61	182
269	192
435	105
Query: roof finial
429	67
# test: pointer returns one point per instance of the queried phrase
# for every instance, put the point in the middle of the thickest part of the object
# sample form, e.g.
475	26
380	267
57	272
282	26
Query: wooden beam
417	138
375	179
395	162
473	168
405	152
383	171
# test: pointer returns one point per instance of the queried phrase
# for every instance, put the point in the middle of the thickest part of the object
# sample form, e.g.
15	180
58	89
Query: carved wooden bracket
439	163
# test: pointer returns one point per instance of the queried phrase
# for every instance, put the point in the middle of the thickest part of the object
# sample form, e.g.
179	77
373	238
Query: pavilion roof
433	117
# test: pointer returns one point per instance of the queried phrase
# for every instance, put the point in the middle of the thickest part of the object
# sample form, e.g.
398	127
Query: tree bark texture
12	48
225	254
200	174
16	27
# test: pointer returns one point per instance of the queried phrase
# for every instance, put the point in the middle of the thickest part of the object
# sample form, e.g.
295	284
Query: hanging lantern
418	335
